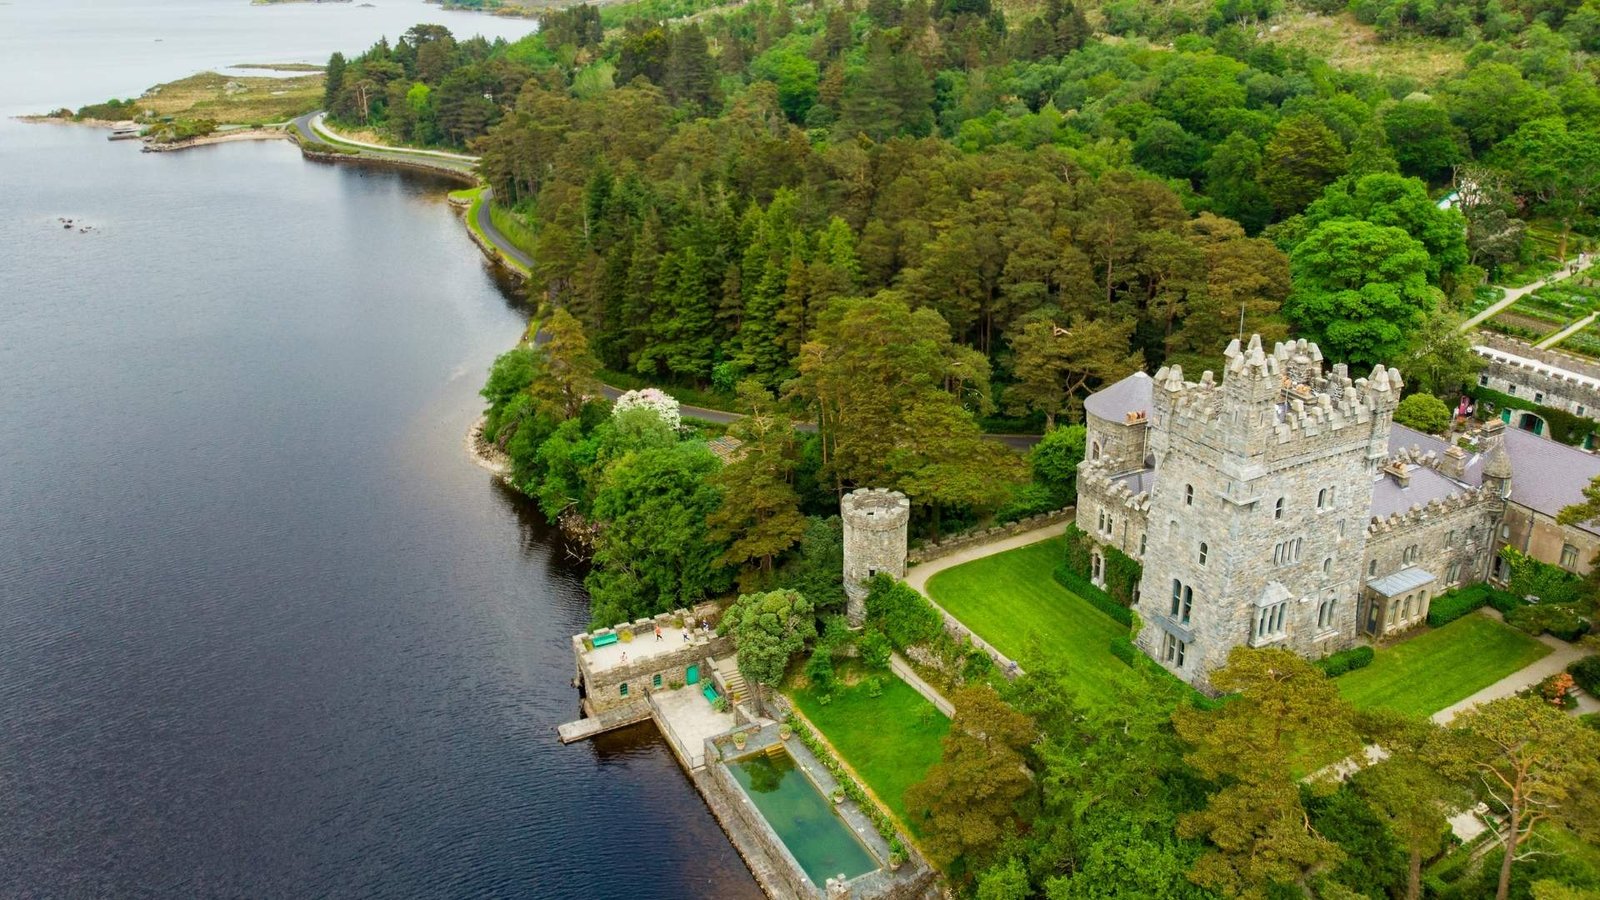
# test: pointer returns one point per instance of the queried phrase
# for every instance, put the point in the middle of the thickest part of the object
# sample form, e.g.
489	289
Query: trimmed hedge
1452	605
1564	426
1586	672
1346	661
1097	598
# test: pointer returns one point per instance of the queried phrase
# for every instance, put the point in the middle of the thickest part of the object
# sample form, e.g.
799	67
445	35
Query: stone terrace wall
980	536
1554	379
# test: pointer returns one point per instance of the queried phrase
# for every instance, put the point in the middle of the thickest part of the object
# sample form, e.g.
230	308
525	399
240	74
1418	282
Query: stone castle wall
1546	377
1261	505
1120	445
978	537
876	530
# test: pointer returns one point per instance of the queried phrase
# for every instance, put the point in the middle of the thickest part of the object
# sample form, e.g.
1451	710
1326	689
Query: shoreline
486	455
218	137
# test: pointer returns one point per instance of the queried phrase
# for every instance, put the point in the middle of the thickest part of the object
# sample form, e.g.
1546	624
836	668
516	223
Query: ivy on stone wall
1122	572
1564	426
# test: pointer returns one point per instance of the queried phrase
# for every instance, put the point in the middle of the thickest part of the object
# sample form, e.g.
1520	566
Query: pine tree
688	78
334	81
760	512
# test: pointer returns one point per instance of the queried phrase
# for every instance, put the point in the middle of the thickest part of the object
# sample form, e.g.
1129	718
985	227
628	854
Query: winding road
311	129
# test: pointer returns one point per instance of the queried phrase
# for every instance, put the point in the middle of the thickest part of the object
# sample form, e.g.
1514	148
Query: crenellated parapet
1276	405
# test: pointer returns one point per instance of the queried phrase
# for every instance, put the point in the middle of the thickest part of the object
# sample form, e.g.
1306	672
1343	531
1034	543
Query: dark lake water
265	631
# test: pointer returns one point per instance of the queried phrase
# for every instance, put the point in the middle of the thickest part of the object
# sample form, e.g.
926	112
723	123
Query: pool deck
688	719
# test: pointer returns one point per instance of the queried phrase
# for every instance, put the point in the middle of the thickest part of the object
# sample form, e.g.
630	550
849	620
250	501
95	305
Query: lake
265	630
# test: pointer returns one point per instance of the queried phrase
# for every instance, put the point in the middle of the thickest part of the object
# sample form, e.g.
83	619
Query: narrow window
1454	575
1203	549
1450	539
1483	381
656	681
1094	450
1188	495
1538	396
1322	499
1372	568
622	689
1177	595
1182	650
1188	604
1327	566
1569	556
1141	543
1277	509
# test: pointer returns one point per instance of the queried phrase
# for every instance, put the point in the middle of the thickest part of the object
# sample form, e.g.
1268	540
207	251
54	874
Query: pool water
804	819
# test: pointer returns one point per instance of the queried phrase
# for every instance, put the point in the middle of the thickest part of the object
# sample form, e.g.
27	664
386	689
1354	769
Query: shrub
1532	578
1054	461
1448	607
977	665
875	686
1029	499
1586	672
1561	621
875	649
1505	603
1346	661
905	616
1424	412
819	671
1097	598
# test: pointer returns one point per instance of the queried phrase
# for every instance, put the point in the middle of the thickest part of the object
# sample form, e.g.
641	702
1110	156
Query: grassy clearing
1348	44
225	99
890	740
1012	601
1441	666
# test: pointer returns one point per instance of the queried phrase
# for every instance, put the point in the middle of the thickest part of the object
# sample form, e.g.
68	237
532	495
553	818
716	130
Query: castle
1282	507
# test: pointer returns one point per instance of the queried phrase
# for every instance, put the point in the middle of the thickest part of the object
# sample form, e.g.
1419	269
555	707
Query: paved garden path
1562	654
1567	332
1515	294
917	576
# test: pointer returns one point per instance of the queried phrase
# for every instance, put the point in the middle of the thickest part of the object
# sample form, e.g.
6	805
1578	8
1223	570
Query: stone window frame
1277	508
1325	499
1204	550
1174	649
1325	611
655	681
1450	538
1182	601
1094	450
1327	567
1372	568
622	689
1569	556
1483	381
1188	495
1287	552
1271	621
1410	555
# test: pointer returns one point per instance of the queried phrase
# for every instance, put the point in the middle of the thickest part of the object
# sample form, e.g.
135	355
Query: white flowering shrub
653	399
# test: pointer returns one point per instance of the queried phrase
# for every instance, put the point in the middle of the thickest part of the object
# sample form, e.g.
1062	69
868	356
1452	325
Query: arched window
1327	566
1372	568
1203	549
1188	495
1277	510
1322	498
1094	450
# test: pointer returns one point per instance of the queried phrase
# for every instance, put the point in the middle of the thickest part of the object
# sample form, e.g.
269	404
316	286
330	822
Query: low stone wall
981	536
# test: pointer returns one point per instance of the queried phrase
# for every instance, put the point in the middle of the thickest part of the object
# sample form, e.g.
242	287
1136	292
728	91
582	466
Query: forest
881	229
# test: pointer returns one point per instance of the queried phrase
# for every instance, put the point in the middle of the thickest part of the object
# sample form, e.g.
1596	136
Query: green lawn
1011	601
888	740
1426	673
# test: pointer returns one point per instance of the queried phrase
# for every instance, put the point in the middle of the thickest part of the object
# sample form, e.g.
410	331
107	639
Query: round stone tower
875	523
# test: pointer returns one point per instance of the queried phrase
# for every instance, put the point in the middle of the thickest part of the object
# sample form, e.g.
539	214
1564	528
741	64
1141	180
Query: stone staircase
738	691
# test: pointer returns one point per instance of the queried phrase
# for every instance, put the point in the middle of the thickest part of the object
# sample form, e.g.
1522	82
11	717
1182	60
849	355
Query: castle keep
1281	507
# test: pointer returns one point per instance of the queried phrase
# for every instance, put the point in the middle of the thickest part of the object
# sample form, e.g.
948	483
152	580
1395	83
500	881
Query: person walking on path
658	634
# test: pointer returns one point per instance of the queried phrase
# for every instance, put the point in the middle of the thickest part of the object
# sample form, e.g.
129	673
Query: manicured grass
1441	666
890	740
1011	601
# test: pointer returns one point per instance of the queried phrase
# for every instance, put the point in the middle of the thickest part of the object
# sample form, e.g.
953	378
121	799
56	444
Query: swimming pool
803	819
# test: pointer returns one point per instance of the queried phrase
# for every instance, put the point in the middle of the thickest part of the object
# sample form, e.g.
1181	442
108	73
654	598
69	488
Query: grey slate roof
1131	394
1547	475
1140	482
1426	484
1408	579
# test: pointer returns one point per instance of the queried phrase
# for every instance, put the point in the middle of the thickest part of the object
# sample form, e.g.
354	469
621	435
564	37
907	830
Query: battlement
1275	403
875	509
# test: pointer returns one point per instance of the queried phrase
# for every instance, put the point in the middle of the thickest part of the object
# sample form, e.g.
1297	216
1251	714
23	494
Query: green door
692	676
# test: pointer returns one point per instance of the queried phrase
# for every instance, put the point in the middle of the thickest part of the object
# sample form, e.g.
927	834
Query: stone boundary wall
979	537
1558	359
